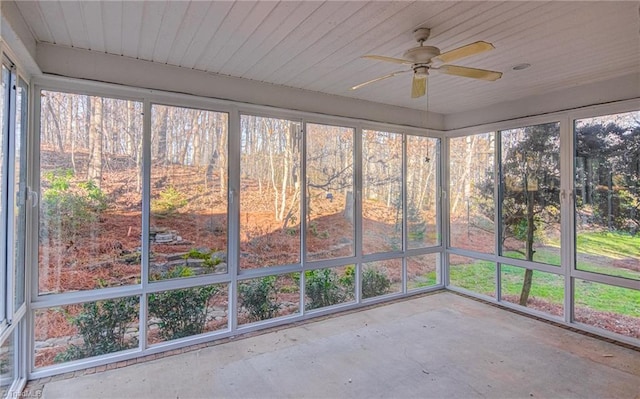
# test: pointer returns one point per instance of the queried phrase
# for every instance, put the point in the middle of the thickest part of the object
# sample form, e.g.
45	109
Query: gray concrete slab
436	346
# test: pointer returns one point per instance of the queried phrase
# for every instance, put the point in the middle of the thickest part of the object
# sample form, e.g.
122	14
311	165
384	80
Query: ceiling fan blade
474	73
387	59
419	86
356	87
464	51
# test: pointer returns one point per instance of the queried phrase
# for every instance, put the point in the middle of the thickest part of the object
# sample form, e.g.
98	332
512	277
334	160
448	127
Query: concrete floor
436	346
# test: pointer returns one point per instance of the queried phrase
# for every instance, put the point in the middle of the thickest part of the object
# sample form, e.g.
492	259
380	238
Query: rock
182	243
218	313
175	256
194	262
220	268
42	345
222	255
164	237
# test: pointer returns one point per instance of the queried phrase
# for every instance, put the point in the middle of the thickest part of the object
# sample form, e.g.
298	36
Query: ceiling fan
423	59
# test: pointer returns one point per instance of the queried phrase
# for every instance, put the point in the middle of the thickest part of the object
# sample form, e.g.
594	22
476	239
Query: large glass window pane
7	364
423	161
269	192
328	287
530	186
607	173
186	312
330	227
91	192
473	274
381	277
423	271
20	192
471	186
85	330
546	291
188	221
608	307
268	297
381	192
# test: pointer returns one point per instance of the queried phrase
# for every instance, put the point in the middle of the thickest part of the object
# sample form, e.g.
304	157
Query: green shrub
168	203
323	287
374	283
196	254
209	262
102	326
68	206
348	279
259	297
182	312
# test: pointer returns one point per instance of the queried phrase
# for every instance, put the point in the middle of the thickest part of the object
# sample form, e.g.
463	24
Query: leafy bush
348	279
182	312
209	262
168	203
374	283
258	296
102	326
70	205
323	287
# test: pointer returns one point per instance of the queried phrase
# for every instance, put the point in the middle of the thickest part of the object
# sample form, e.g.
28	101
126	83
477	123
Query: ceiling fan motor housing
422	54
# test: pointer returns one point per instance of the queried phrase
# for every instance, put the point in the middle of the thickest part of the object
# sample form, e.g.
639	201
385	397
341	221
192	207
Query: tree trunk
94	171
54	117
348	206
221	142
528	274
162	135
526	287
464	179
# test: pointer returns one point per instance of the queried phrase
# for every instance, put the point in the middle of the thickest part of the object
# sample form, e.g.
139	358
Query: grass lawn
599	250
609	244
479	277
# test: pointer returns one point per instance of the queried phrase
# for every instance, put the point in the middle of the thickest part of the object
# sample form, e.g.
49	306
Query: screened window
423	160
330	213
607	182
4	186
91	192
13	196
188	220
382	213
19	176
471	192
270	209
530	193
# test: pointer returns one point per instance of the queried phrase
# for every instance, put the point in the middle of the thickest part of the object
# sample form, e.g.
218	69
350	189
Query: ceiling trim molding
102	67
604	92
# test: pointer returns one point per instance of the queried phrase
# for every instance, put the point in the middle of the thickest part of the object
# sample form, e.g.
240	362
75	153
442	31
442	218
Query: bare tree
94	171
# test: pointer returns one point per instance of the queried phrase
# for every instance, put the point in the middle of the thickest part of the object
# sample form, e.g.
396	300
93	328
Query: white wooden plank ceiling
317	45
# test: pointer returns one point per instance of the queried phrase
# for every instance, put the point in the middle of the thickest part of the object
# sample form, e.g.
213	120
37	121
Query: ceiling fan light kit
423	58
